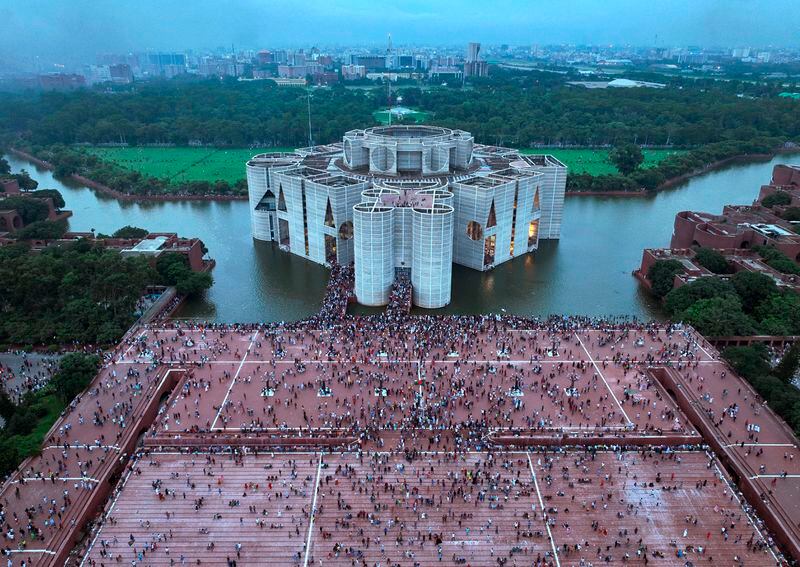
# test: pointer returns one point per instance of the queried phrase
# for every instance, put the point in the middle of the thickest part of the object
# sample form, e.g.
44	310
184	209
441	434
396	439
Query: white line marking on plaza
59	478
760	445
233	381
755	476
79	446
738	500
700	346
313	512
31	551
544	516
591	359
108	514
135	342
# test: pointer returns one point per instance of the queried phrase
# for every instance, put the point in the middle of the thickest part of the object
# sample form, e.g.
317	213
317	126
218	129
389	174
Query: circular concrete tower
373	252
432	259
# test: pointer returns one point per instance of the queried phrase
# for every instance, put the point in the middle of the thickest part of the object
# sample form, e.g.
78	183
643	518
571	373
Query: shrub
779	198
712	260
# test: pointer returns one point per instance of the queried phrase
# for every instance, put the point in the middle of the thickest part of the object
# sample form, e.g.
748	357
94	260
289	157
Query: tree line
509	108
740	304
80	293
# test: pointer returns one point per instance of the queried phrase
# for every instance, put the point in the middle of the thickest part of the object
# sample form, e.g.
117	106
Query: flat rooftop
460	440
149	245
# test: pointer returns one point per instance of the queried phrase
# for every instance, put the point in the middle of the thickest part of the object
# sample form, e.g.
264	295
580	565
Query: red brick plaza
411	441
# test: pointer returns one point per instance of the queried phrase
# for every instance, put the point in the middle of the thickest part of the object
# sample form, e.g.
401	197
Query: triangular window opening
329	215
281	199
536	204
492	217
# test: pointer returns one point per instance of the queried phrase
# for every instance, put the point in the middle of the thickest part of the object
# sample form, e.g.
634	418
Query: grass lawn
184	164
211	164
595	161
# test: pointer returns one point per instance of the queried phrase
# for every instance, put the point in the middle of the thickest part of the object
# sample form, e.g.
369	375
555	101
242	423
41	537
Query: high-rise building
473	49
406	198
473	66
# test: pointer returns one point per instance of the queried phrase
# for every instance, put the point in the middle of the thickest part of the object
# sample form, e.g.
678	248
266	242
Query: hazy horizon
77	30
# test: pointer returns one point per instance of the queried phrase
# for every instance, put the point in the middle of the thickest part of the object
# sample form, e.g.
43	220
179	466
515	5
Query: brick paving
409	441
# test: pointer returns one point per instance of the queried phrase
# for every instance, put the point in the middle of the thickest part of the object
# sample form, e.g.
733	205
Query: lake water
587	272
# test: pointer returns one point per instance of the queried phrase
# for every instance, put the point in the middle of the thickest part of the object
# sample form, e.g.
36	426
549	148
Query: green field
595	161
211	164
184	164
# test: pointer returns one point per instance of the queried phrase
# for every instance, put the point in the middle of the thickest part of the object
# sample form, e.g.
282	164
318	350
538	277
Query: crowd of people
22	372
400	296
423	396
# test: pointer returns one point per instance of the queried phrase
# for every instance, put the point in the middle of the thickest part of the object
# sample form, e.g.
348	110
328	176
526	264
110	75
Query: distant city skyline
57	31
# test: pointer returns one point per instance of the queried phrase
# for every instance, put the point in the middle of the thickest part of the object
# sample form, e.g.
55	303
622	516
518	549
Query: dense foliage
77	293
173	268
183	112
30	210
777	259
54	194
774	385
777	198
75	371
662	275
42	230
29	421
513	109
746	304
713	260
129	231
627	158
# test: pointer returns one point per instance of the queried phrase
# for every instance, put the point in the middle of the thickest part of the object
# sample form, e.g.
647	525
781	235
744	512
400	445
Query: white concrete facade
406	197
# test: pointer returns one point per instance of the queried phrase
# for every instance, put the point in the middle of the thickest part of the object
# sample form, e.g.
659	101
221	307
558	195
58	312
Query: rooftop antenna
310	139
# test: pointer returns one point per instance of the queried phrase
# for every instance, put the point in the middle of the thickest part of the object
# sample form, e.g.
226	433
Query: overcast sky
76	30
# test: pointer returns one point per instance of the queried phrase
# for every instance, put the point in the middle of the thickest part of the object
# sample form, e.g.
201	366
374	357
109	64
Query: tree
779	314
6	405
787	367
54	194
627	158
748	361
5	168
680	299
753	288
31	210
194	283
779	198
172	267
75	372
777	259
76	293
9	456
719	317
792	214
713	260
662	275
128	231
26	183
42	230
